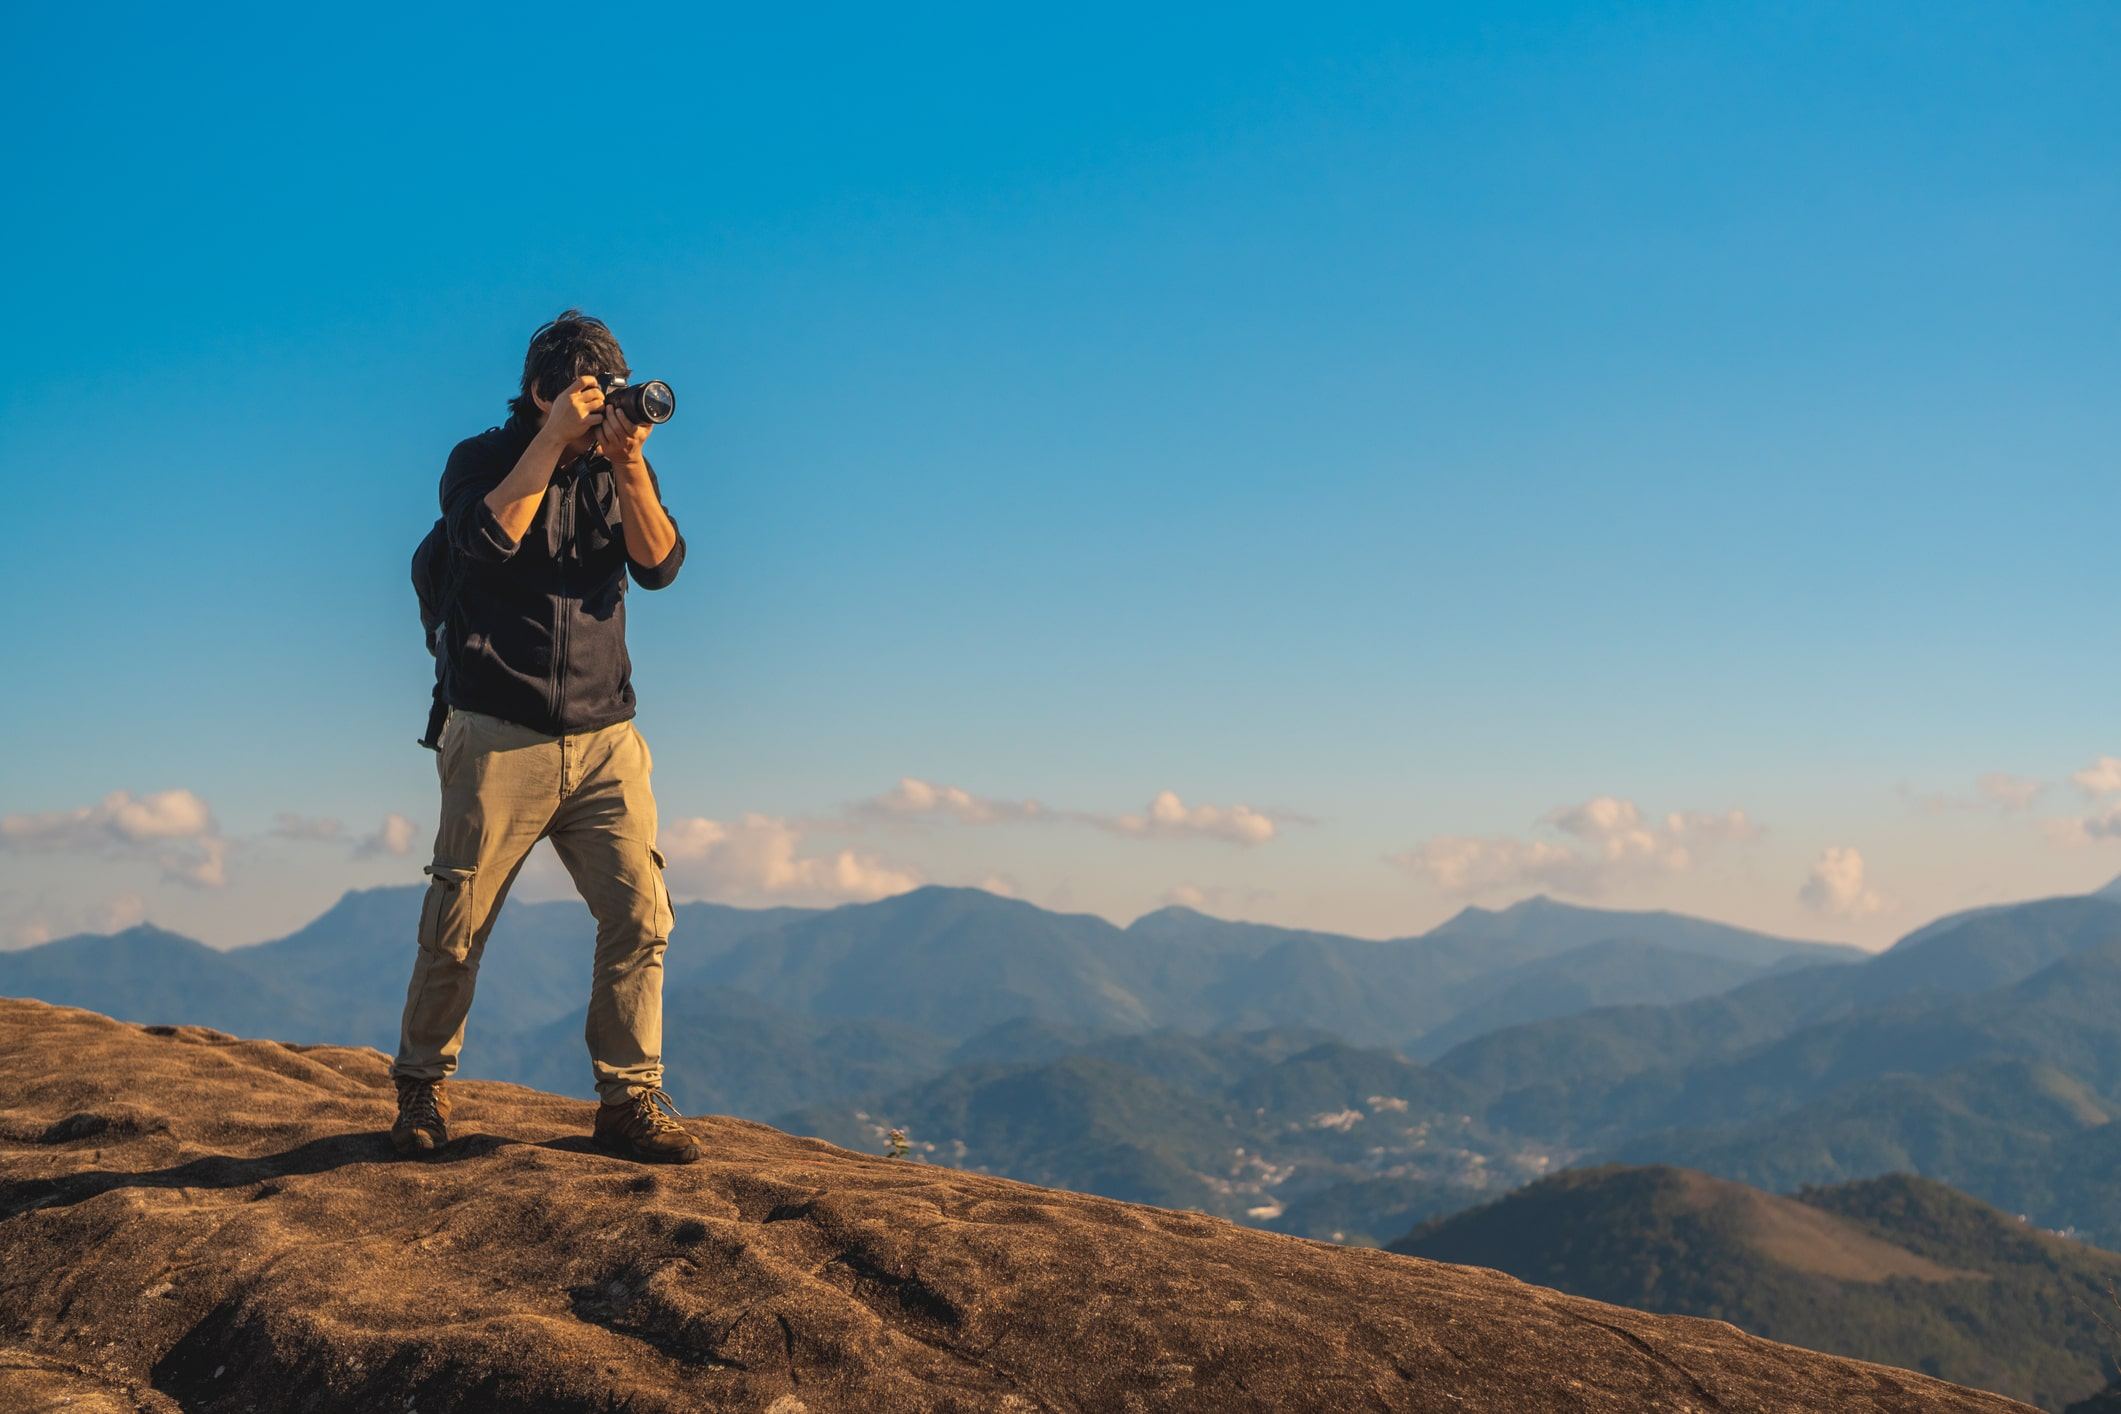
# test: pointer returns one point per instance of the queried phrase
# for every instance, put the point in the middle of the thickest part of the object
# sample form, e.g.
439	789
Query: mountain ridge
1897	1269
956	962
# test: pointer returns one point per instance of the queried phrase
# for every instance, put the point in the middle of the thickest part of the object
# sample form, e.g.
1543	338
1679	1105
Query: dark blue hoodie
535	631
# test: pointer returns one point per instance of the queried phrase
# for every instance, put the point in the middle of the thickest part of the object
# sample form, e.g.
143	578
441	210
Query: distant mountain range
1898	1270
1317	1084
1265	1074
901	980
1985	1053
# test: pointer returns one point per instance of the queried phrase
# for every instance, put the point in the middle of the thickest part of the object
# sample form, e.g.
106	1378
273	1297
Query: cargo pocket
665	919
448	918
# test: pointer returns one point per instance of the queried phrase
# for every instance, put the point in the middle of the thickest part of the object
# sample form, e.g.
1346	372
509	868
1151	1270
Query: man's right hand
576	412
578	408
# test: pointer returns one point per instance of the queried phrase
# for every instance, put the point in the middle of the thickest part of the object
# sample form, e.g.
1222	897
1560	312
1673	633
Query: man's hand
621	439
576	412
643	523
579	407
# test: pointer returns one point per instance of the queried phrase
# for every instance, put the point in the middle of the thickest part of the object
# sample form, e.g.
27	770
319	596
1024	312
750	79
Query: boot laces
418	1104
649	1108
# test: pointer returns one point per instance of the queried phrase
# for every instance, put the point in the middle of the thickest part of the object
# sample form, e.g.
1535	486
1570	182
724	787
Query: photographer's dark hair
560	352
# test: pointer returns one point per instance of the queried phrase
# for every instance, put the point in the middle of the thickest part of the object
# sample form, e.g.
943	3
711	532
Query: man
545	518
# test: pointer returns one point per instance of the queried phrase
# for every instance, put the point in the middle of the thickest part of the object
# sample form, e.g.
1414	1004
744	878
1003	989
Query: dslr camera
641	402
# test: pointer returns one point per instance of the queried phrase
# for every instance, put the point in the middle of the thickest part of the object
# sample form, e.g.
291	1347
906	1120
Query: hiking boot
423	1112
645	1126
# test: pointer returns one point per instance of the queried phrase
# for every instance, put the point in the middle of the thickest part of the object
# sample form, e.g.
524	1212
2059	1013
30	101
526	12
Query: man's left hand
621	439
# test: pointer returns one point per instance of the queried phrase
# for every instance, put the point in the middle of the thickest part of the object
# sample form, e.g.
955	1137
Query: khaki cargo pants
504	788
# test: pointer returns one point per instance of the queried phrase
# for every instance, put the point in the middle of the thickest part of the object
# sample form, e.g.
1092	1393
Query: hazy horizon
1124	922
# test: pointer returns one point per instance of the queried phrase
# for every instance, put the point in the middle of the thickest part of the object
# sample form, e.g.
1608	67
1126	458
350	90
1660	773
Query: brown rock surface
189	1221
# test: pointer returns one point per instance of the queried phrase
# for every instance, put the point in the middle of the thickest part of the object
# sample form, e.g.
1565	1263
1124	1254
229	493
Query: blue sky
1660	454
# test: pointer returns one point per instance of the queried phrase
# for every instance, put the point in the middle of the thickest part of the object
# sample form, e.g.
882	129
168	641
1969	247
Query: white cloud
913	798
2088	829
1168	817
393	837
1466	864
207	867
2097	782
760	858
2003	793
120	817
1618	833
1603	841
1220	900
175	828
1837	885
1614	826
2102	777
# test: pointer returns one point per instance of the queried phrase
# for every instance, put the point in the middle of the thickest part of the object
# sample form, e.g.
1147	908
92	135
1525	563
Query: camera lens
655	401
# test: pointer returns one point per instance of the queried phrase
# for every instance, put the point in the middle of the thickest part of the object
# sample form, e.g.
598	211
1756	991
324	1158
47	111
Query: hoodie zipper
560	615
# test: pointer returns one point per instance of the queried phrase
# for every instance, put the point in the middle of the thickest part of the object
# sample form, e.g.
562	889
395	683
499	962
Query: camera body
652	401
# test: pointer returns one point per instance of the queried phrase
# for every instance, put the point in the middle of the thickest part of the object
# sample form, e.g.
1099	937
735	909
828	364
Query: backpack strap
437	716
435	615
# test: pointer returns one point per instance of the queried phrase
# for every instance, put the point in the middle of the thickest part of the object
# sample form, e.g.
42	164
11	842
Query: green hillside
1983	1051
1598	1074
1900	1270
2007	1094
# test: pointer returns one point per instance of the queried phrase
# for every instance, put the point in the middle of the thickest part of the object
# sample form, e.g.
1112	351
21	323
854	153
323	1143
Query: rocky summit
189	1221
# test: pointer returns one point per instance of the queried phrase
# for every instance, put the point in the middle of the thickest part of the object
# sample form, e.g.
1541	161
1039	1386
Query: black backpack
434	580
